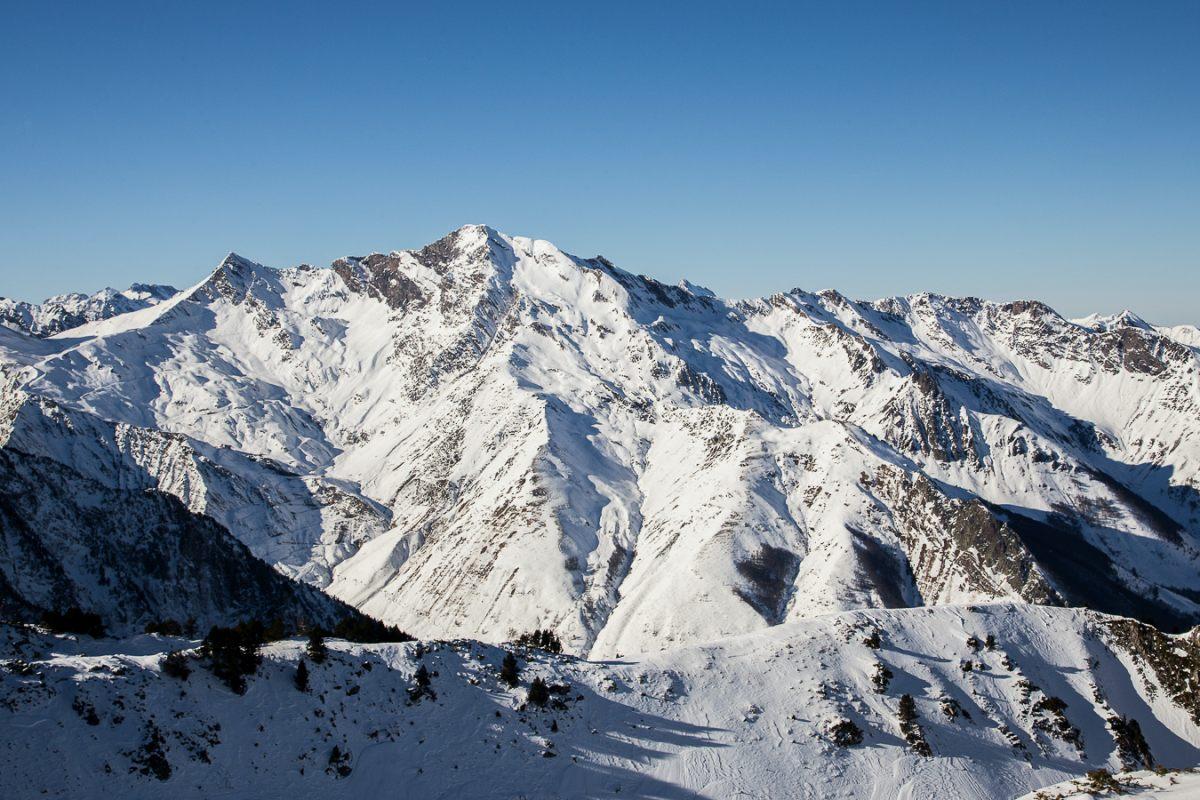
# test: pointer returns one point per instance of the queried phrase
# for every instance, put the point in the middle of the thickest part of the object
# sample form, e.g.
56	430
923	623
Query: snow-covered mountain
489	435
1000	700
66	311
766	523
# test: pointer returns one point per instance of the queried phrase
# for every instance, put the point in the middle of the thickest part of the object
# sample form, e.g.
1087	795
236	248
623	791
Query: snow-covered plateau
707	500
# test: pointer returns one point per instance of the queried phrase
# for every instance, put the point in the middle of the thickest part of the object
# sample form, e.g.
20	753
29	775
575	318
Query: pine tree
422	679
175	665
845	733
232	653
301	677
316	646
539	693
276	630
510	673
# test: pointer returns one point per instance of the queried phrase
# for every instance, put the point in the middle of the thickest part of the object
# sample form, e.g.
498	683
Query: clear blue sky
1001	149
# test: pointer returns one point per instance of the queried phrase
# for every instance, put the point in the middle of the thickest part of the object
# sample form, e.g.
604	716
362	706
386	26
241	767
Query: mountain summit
488	435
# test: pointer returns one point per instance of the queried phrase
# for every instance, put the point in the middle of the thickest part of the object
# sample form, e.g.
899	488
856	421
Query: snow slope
513	437
747	716
302	525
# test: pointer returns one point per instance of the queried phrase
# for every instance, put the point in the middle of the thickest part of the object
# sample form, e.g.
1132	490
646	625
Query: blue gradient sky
1000	149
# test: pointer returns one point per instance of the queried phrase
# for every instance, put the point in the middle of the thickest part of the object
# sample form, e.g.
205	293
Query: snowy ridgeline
951	702
488	435
67	311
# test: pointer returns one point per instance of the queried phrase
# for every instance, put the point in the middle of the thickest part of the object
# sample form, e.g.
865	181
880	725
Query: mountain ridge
559	443
66	311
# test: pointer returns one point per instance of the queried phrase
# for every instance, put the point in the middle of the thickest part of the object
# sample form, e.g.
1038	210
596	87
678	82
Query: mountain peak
63	312
1128	319
696	289
476	228
1103	322
237	268
237	262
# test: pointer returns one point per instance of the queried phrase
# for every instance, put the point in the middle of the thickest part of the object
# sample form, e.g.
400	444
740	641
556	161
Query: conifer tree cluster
164	627
542	639
232	653
363	629
539	693
907	714
175	665
74	620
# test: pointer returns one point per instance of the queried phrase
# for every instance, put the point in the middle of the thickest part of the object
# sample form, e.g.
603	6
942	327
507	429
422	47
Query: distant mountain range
66	311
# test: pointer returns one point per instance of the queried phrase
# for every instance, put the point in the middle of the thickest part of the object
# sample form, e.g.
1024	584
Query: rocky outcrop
959	551
1172	662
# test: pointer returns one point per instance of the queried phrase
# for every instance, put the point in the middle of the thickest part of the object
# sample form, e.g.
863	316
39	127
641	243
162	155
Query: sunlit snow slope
488	435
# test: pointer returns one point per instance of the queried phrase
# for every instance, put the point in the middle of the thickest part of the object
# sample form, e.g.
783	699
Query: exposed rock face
488	435
959	547
382	277
1172	662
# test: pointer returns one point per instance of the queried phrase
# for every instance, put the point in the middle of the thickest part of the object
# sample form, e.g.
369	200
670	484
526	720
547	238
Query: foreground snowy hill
488	435
1005	699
